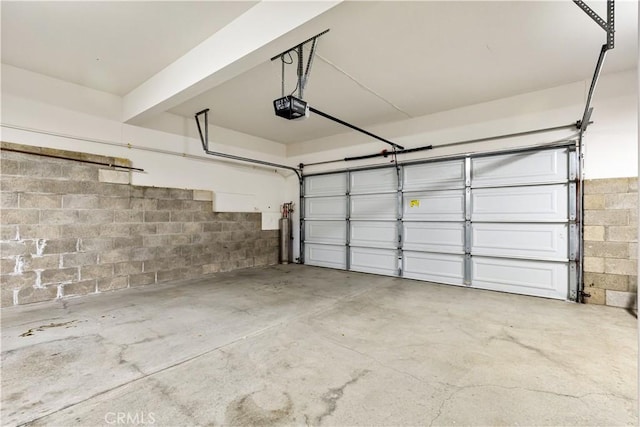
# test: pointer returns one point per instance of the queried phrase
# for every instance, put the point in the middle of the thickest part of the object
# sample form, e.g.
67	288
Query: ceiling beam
229	52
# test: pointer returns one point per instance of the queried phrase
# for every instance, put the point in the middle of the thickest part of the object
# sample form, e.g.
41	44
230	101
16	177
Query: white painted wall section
30	117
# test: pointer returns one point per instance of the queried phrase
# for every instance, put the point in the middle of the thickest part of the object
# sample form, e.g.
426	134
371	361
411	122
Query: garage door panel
433	237
522	168
434	206
506	229
434	176
530	204
537	241
374	234
374	181
325	208
537	278
325	255
432	267
326	185
374	206
377	261
328	232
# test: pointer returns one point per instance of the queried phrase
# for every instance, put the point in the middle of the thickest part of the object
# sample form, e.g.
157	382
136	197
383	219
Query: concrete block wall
611	241
72	228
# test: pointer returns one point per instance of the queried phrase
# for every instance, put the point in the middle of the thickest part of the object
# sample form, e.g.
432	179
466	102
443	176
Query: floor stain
42	362
14	396
331	397
510	338
41	328
244	411
275	286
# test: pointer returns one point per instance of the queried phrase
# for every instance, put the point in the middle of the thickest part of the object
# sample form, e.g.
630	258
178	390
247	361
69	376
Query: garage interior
446	235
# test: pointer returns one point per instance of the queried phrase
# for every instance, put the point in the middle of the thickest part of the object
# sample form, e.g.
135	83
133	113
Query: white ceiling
381	61
112	46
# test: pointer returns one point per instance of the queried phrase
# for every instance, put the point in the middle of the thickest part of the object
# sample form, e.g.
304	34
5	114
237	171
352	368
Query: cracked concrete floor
297	345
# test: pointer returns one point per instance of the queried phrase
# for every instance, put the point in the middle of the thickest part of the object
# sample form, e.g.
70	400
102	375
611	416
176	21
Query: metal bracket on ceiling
302	71
295	108
608	25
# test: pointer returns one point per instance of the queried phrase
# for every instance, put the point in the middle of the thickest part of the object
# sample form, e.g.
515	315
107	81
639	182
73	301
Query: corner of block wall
114	176
203	195
621	299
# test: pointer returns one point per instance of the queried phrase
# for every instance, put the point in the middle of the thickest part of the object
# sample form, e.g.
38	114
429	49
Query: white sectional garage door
503	222
324	226
433	221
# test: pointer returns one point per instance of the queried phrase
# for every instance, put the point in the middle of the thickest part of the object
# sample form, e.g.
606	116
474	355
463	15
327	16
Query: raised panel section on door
434	176
374	206
521	204
377	234
439	268
325	255
536	167
447	205
377	261
537	241
325	208
434	237
325	185
537	278
374	181
328	232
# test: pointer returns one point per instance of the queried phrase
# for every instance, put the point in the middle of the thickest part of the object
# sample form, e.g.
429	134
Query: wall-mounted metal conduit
204	139
118	144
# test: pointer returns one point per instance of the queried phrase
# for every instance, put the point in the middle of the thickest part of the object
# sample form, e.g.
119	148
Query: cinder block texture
70	228
594	233
610	241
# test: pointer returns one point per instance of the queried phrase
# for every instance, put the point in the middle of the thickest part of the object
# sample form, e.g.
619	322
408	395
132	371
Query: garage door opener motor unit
291	107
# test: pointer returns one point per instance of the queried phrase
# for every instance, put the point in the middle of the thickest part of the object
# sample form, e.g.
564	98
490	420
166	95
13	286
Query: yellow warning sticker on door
414	204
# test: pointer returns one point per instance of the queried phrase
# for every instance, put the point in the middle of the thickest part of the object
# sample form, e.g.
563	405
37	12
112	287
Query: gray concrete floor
295	345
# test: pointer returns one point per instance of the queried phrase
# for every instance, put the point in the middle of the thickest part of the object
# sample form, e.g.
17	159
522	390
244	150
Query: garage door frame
573	221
